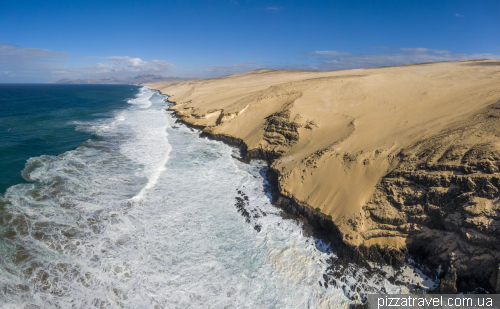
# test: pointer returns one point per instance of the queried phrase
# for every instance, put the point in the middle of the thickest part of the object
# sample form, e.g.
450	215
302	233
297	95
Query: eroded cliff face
443	200
392	161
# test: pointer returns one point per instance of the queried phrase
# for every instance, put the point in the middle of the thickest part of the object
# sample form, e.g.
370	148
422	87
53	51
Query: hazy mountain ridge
139	79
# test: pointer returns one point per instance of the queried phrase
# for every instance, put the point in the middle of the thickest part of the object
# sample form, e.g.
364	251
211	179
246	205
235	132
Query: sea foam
146	216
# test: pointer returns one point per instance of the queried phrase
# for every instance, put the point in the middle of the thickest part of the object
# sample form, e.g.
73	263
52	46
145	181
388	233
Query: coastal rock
497	283
390	163
447	186
449	282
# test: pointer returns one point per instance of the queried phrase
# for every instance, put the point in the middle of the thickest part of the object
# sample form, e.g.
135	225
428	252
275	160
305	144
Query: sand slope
337	136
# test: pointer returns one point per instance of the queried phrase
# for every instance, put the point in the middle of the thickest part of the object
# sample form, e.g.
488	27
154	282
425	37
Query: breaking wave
148	215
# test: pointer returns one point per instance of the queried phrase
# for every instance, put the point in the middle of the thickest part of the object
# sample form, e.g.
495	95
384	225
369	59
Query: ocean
107	202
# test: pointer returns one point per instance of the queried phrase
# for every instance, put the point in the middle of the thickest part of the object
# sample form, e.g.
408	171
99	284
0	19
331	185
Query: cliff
402	160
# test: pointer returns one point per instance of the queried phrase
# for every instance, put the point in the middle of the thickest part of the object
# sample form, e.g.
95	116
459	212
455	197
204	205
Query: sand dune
386	152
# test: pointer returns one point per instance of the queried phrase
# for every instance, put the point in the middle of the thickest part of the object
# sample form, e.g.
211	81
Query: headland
397	161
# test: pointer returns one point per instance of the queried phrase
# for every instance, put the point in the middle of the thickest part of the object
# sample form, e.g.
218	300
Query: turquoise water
120	207
41	119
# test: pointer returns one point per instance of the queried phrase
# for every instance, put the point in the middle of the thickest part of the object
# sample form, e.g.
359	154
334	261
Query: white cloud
379	47
458	15
420	50
127	64
327	53
274	8
28	64
12	52
220	70
397	57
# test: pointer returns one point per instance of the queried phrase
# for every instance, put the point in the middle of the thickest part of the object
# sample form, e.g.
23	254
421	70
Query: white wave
131	221
149	146
98	126
142	99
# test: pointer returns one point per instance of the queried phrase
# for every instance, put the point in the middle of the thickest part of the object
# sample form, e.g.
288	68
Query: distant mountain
139	79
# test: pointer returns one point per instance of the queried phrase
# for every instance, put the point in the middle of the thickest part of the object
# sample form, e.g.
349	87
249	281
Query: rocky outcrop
449	282
389	162
443	202
279	130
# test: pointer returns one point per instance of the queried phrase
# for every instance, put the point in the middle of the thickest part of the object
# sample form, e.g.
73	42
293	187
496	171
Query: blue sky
42	41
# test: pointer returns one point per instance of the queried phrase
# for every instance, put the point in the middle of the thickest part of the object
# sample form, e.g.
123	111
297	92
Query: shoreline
385	162
315	224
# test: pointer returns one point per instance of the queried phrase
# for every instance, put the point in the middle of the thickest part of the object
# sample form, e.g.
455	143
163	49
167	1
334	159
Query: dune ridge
403	159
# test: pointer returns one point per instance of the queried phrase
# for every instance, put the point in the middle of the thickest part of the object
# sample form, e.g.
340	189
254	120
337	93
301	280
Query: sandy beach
403	160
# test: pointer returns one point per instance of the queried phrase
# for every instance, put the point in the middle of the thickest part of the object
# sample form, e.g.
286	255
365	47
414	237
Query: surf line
160	167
